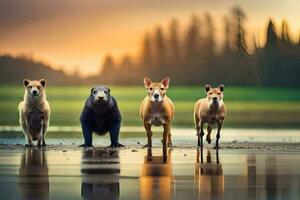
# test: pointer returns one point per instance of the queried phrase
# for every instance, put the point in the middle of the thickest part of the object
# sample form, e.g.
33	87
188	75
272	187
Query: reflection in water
271	179
209	176
156	178
251	176
33	179
100	174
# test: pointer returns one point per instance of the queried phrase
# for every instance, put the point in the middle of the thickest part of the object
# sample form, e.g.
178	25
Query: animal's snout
35	92
215	99
100	96
156	96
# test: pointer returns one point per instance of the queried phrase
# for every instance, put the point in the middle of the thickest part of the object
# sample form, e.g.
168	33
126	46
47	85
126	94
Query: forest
189	56
194	58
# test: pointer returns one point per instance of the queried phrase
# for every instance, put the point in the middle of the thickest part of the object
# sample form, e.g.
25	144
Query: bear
34	112
101	115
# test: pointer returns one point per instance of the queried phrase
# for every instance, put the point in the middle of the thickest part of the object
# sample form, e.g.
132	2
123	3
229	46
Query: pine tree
285	32
272	38
108	66
160	49
192	43
175	55
239	31
146	51
227	40
209	41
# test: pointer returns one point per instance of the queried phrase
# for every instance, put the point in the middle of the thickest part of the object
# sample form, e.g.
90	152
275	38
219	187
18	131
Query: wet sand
69	172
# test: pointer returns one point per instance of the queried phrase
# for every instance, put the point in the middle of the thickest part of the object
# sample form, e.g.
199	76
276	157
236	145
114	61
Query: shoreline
233	146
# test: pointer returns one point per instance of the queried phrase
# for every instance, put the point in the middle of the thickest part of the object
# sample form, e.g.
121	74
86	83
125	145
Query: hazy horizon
78	34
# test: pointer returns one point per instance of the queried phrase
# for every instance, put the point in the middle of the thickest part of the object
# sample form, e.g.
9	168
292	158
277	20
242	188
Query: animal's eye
210	93
105	92
95	92
38	87
30	87
219	93
162	88
151	88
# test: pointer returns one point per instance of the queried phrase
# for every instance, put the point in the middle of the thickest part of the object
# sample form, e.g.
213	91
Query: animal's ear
207	87
92	90
166	82
26	82
108	89
221	87
43	82
147	82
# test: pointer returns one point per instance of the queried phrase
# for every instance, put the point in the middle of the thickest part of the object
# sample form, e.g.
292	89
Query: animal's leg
170	144
39	143
45	126
218	134
198	128
87	134
200	135
29	139
44	143
114	131
40	137
26	132
23	125
149	134
209	129
165	137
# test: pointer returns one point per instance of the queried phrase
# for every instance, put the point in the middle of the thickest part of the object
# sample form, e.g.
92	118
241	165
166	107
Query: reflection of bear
100	174
100	115
156	178
34	180
209	177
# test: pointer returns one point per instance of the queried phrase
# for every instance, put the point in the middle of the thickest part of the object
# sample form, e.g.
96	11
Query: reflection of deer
209	177
100	174
34	180
156	178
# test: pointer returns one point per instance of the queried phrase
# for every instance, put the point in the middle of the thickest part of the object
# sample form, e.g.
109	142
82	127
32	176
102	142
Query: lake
38	173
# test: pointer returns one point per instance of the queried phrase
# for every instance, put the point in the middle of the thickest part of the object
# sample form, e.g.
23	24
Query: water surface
100	173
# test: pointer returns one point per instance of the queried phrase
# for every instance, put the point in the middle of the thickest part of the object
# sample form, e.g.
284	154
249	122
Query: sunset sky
78	34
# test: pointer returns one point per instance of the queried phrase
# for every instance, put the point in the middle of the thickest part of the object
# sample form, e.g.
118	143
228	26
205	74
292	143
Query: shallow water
135	135
125	174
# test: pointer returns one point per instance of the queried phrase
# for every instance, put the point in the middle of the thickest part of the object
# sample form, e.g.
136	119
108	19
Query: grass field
247	106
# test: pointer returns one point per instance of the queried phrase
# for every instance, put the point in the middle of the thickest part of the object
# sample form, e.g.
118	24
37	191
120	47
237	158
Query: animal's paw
116	145
86	145
28	145
146	145
217	147
208	140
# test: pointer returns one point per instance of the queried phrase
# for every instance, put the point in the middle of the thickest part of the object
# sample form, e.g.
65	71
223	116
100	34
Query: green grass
247	106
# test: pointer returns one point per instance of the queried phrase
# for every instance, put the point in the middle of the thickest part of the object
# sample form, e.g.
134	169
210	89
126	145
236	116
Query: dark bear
100	115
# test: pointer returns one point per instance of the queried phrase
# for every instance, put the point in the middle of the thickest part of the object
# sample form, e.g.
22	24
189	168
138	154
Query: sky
76	34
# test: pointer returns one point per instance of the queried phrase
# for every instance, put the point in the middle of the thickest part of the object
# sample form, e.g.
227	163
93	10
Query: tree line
195	58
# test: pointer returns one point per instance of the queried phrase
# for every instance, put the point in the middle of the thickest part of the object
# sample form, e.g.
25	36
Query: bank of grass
247	106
